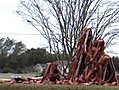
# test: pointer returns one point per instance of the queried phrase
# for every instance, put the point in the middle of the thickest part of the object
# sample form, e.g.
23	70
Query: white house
39	67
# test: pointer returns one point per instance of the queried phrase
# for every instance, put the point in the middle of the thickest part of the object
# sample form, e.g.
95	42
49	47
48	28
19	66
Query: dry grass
54	87
9	75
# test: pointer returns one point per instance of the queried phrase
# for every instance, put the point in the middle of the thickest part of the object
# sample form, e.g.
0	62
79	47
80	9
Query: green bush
18	70
7	70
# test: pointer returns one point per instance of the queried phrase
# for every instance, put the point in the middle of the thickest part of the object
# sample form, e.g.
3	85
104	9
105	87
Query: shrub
18	70
7	70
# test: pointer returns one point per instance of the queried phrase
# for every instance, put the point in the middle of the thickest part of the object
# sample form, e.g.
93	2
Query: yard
54	87
9	75
48	87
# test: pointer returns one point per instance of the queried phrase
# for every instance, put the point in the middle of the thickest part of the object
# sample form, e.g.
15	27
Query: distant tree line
16	58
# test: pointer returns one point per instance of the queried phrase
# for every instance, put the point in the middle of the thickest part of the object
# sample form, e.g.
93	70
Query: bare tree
61	21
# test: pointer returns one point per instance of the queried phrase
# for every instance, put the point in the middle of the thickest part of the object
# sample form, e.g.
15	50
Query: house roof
42	66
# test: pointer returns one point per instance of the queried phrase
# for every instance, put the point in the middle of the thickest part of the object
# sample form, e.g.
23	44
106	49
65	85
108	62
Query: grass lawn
54	87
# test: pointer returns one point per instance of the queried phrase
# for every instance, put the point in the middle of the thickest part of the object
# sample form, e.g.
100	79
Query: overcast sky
11	25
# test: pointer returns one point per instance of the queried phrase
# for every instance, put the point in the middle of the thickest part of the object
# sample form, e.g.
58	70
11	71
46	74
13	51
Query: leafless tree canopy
60	21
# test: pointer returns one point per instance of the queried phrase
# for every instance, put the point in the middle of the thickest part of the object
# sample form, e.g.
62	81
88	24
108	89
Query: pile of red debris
51	74
90	63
